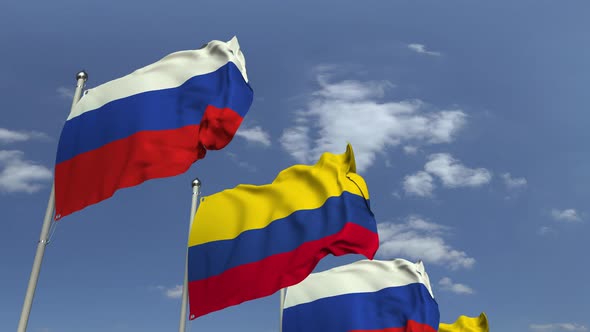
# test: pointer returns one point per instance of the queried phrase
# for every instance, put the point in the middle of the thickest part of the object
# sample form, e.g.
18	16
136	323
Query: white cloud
453	174
544	230
350	111
171	293
12	136
408	149
419	184
420	239
557	327
19	175
418	223
254	134
450	171
565	215
448	284
420	48
513	183
350	90
66	93
295	141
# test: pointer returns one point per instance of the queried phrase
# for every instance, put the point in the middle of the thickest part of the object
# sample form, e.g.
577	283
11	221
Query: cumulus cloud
20	175
420	239
448	284
352	111
557	327
66	93
565	215
408	149
419	184
351	90
255	135
12	136
295	141
171	293
513	183
454	174
449	170
421	48
544	230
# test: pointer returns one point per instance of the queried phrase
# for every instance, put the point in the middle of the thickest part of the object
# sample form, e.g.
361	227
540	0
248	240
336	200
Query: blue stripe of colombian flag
149	135
408	308
213	258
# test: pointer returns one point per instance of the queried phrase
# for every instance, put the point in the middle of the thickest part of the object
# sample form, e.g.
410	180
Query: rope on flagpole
51	231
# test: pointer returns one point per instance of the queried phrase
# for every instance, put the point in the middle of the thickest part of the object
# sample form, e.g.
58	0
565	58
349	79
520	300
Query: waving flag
467	324
153	123
250	241
365	296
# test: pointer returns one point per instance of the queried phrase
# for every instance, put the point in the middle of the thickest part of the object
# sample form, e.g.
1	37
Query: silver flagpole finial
197	183
82	75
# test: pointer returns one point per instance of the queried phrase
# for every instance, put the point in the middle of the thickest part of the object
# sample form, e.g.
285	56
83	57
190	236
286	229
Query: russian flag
365	296
153	123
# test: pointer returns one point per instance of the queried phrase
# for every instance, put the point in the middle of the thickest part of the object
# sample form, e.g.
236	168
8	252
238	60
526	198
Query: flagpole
81	78
196	192
282	303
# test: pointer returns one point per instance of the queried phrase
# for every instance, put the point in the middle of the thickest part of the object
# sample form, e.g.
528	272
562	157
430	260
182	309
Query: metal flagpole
282	299
24	316
196	192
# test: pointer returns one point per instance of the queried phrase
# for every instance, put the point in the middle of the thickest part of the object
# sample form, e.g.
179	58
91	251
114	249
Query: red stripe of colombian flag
153	123
250	241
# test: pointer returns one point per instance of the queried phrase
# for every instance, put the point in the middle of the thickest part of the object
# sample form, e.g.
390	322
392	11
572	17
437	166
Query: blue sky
468	119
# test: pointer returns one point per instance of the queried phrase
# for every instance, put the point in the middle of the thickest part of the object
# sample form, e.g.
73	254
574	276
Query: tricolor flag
467	324
250	241
153	123
365	296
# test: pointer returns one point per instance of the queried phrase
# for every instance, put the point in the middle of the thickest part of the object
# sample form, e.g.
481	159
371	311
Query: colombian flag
250	241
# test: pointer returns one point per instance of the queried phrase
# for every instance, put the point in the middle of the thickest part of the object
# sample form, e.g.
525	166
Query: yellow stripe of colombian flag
229	213
467	324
